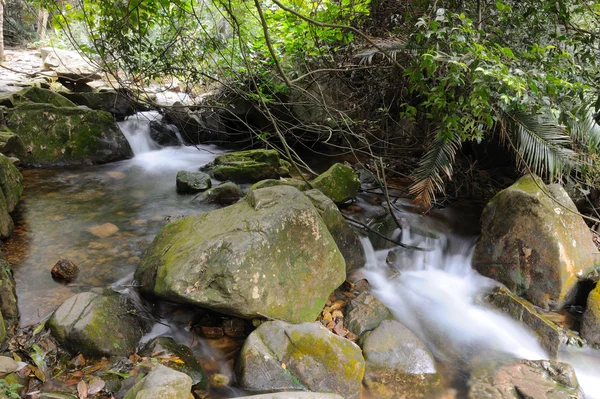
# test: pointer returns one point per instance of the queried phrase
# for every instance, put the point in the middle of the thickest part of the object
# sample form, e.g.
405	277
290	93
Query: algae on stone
340	183
590	325
250	166
269	255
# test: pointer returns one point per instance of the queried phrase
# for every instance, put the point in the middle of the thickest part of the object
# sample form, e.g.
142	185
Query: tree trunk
1	30
42	23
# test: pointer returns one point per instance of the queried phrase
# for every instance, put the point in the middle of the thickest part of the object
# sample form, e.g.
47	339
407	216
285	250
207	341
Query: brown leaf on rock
82	389
337	305
327	317
337	315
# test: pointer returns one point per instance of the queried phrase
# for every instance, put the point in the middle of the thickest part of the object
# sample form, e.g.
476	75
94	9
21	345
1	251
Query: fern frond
543	146
433	166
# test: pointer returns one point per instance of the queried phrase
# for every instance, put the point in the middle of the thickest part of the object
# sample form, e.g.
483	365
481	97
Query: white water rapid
435	296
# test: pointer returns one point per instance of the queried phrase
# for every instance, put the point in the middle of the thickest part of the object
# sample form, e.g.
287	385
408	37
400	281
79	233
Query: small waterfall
435	296
136	130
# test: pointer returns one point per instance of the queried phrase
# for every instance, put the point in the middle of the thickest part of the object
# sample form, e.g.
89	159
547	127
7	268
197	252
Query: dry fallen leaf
96	385
337	305
82	389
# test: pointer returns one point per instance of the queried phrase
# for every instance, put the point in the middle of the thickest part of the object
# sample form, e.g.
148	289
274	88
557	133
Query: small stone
192	182
103	231
65	270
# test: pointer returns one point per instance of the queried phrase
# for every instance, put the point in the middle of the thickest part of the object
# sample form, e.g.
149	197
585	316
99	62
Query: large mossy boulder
550	336
11	188
162	383
524	379
250	166
8	296
97	323
345	237
534	242
35	95
116	102
590	325
340	183
398	365
11	144
63	135
279	356
269	255
299	184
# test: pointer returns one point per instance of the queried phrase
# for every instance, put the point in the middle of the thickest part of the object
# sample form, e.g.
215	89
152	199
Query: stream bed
104	217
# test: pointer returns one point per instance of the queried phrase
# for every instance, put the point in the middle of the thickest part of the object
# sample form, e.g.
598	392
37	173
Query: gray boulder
398	365
534	242
269	255
97	324
192	182
225	193
162	383
279	356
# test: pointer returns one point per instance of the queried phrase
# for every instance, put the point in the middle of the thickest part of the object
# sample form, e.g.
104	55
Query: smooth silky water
435	296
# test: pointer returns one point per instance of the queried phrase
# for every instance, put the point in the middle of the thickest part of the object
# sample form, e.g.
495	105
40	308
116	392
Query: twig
367	228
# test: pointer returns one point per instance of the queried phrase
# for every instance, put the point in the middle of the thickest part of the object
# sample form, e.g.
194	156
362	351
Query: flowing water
435	293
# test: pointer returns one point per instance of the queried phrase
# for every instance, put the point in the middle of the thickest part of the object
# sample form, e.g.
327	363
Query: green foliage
8	390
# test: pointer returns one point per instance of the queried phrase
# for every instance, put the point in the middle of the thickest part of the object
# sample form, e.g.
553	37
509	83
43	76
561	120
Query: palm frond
433	166
586	131
543	146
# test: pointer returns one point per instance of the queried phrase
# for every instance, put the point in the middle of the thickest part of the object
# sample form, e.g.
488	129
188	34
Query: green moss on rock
340	183
250	166
38	95
590	325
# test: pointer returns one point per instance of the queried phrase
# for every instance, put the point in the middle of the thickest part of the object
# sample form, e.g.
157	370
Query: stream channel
70	213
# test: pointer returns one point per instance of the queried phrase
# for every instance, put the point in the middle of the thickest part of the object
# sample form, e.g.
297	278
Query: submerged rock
250	166
534	242
63	135
279	356
365	313
192	182
178	357
97	324
590	325
525	379
345	237
398	365
269	255
551	337
340	183
162	383
65	270
225	193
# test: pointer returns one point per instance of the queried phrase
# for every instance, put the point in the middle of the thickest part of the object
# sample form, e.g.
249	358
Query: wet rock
398	365
250	166
340	183
116	102
383	226
8	295
533	242
164	133
525	379
65	270
162	383
11	188
293	395
226	193
253	258
97	324
551	337
103	231
299	184
67	135
345	237
279	356
400	258
590	325
177	357
200	126
365	313
192	182
35	95
11	145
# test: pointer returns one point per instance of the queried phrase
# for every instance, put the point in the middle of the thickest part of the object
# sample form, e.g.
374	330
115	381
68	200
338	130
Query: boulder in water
364	313
225	193
116	102
398	365
279	356
534	242
524	379
340	183
62	135
250	166
345	237
269	255
590	325
163	133
64	270
97	323
192	182
162	383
